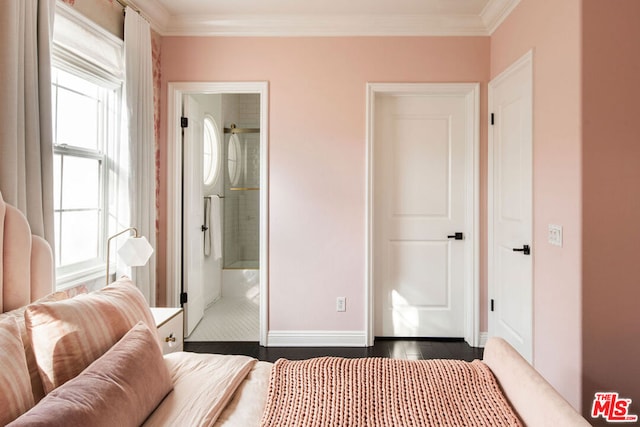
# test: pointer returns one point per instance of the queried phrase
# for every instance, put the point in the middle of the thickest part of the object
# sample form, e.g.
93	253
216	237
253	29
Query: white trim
484	336
472	277
525	61
154	12
81	277
472	300
369	238
175	91
495	12
407	24
317	339
326	26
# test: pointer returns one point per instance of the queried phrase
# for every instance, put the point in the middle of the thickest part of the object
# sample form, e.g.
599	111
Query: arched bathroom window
211	149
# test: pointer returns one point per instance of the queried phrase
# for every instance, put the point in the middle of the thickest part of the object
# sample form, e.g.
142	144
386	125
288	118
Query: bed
533	399
231	391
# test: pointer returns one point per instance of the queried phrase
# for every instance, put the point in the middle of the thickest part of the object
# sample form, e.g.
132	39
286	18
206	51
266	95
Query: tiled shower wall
242	207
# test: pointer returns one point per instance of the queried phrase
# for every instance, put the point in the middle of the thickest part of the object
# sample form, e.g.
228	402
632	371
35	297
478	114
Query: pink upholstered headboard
26	261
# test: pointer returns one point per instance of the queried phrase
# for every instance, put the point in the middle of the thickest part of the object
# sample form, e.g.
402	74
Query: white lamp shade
135	252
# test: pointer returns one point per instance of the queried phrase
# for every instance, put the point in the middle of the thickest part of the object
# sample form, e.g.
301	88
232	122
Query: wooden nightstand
169	322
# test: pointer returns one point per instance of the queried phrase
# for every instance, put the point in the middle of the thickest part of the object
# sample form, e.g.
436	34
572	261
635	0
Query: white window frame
73	272
82	48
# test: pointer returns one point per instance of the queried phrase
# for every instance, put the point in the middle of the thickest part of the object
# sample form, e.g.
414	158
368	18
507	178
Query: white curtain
139	99
26	153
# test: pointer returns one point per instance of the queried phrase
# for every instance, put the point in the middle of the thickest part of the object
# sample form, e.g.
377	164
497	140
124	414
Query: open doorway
217	248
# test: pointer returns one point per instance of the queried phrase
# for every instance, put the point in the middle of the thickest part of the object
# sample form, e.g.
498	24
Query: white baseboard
484	336
316	339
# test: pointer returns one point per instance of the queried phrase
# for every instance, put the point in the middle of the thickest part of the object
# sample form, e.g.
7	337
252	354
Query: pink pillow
67	336
121	388
18	315
15	385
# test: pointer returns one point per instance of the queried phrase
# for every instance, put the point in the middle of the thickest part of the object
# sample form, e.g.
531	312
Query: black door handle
457	236
526	250
204	228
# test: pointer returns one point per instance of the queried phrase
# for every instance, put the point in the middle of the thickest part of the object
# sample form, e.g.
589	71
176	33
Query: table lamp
134	252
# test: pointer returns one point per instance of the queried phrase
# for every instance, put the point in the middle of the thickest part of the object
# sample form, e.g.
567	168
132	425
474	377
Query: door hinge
492	305
493	119
184	122
183	298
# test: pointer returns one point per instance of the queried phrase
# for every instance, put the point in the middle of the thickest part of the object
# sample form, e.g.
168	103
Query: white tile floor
229	319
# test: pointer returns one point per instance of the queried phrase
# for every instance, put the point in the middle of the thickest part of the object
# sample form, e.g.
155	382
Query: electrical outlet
555	235
341	304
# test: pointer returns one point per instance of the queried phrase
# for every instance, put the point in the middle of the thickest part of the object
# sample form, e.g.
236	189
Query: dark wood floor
397	349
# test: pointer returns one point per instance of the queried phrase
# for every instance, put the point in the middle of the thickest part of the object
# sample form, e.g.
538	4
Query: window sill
80	277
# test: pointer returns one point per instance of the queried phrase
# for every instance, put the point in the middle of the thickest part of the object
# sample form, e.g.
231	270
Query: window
84	118
86	93
211	151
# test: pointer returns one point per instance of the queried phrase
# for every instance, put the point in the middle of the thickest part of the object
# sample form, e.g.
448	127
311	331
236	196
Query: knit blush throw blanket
332	391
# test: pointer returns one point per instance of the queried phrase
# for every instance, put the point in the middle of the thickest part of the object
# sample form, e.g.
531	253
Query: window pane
78	84
77	117
208	139
80	232
80	183
210	152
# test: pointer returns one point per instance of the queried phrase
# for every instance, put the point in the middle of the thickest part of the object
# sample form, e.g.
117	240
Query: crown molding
483	24
327	26
157	15
495	12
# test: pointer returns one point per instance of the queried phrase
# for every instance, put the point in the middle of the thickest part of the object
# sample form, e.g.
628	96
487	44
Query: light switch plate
555	234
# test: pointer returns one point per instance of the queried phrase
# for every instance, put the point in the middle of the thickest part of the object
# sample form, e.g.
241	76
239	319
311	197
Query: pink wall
552	30
317	150
611	199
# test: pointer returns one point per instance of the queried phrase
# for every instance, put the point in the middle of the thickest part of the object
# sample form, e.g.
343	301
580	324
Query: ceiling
325	17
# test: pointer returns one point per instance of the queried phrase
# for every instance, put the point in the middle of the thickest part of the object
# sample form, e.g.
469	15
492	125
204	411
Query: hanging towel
207	226
215	228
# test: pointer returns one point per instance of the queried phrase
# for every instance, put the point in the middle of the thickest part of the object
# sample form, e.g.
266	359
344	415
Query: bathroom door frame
175	92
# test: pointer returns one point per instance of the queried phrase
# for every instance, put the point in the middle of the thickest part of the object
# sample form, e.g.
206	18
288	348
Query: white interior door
193	215
421	188
510	207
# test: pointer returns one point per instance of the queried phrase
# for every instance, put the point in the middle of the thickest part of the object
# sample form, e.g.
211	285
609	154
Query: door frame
175	91
525	62
471	91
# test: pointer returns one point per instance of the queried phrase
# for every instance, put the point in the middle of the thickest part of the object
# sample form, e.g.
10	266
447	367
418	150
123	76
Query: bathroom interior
231	193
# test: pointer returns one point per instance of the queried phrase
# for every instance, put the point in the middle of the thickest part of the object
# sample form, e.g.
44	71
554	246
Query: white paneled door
193	215
422	213
510	207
